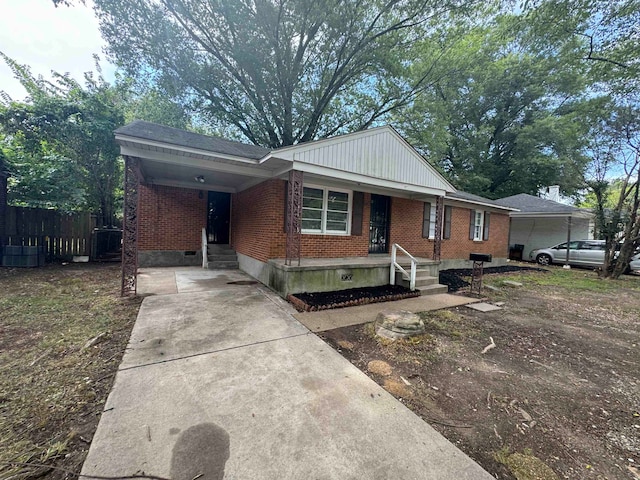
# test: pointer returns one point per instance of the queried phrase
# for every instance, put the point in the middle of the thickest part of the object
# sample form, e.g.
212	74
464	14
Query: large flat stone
483	307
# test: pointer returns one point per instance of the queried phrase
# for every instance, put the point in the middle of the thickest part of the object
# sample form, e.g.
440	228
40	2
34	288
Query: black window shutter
426	218
485	234
472	224
357	213
286	206
447	222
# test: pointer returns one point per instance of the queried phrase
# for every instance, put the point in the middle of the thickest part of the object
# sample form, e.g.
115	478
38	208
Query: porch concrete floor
345	317
371	260
167	280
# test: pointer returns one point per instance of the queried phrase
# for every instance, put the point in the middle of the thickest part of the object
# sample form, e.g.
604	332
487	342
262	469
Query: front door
379	224
218	215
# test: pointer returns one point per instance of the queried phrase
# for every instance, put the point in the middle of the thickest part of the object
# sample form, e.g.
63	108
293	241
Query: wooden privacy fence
62	235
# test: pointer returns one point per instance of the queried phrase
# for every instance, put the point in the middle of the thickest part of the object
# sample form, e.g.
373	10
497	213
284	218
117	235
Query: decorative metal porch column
437	242
130	227
294	217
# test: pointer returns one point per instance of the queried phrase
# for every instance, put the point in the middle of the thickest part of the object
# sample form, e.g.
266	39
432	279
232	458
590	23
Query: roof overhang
178	166
466	202
578	214
171	164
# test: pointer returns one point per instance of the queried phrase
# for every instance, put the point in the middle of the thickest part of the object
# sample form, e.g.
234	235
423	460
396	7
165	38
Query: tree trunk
3	206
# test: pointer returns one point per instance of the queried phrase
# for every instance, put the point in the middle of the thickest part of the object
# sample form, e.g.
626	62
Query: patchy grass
525	466
52	388
555	397
574	279
445	322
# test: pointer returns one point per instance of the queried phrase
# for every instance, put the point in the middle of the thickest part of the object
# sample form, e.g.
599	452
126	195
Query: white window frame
432	220
478	228
325	204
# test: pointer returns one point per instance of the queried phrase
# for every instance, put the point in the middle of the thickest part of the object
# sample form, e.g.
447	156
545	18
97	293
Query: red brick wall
406	230
258	229
257	221
171	218
459	246
406	227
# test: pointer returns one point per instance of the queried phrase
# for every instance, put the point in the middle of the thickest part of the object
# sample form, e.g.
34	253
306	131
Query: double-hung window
429	220
325	210
479	225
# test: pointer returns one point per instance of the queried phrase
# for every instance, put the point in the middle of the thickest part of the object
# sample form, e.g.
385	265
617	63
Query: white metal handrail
205	256
395	265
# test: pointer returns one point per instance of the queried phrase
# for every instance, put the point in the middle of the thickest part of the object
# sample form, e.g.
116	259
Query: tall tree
279	71
4	173
505	117
614	186
153	105
65	131
606	31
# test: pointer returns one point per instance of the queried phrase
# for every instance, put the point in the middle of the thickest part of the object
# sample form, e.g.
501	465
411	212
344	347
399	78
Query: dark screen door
218	215
379	224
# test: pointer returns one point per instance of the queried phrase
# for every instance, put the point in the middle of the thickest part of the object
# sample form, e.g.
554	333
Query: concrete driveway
226	383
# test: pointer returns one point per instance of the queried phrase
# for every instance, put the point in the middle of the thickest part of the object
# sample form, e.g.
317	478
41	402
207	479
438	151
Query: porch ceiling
180	166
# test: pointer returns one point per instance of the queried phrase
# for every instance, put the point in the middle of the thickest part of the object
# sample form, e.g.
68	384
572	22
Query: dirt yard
557	397
63	330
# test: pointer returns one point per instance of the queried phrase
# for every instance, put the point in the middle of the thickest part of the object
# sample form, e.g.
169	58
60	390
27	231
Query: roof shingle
530	204
183	138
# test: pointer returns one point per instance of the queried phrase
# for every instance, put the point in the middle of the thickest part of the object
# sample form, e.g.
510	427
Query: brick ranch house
317	216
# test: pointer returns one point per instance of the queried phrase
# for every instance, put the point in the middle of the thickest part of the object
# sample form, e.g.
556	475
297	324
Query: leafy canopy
279	71
505	118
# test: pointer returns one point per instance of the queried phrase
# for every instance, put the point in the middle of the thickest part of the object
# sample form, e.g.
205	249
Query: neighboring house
540	223
339	204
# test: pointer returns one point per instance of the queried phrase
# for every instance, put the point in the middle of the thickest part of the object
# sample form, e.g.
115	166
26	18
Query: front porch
329	274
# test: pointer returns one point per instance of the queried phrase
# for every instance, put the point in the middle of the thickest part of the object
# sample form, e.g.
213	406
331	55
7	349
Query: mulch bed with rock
311	302
455	278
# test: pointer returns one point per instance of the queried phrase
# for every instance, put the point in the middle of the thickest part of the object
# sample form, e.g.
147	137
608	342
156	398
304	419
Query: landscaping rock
345	344
402	324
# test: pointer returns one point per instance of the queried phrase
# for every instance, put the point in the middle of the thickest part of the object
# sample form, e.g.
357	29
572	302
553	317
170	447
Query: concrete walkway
344	317
225	383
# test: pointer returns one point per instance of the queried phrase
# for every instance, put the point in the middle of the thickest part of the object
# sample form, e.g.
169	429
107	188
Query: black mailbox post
480	257
478	260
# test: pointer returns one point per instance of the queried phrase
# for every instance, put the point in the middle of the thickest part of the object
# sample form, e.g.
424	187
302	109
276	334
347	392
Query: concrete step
222	258
231	265
423	279
426	281
433	289
420	281
218	249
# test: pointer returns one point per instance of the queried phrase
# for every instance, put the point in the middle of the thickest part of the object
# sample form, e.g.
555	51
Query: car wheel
543	259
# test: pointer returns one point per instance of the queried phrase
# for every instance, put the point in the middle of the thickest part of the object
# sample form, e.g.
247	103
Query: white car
634	264
588	253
